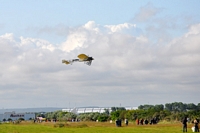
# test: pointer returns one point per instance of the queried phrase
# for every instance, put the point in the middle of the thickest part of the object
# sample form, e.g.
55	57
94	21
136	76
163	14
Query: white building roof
78	110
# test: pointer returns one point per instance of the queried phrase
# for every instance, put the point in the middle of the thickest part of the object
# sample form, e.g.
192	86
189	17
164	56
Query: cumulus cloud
194	30
90	33
120	27
124	64
35	43
91	25
79	37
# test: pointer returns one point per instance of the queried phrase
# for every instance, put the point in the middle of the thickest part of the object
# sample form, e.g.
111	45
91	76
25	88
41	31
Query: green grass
89	127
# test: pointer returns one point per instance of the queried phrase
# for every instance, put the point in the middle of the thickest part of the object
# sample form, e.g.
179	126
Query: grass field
89	127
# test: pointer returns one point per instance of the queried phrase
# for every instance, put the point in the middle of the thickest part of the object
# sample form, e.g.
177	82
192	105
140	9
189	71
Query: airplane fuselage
82	58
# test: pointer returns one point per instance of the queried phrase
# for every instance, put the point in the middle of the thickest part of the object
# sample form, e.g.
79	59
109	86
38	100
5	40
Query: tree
40	115
70	116
120	108
159	107
9	119
115	115
106	111
191	106
131	114
146	106
95	116
198	106
60	115
113	109
122	114
168	106
21	119
178	107
103	117
164	114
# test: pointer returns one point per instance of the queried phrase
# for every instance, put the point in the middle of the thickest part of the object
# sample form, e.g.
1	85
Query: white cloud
80	37
91	25
33	43
8	36
120	27
125	66
73	41
146	12
194	30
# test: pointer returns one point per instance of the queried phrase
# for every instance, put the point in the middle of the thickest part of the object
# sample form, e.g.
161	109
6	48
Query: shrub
21	119
82	126
60	125
103	118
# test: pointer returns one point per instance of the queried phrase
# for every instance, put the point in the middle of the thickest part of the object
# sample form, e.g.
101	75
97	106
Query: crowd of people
138	122
146	122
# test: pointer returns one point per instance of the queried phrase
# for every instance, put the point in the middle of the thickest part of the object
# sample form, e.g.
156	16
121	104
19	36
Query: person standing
184	122
196	126
137	121
126	122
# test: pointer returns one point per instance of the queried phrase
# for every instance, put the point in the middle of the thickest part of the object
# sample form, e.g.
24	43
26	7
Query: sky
145	52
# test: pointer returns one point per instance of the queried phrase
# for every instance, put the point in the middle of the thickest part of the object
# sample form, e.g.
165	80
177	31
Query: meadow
89	127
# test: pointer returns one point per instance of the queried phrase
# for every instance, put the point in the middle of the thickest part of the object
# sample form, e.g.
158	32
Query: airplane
82	58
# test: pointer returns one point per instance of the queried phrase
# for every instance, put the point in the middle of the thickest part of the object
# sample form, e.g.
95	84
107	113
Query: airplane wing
82	57
66	62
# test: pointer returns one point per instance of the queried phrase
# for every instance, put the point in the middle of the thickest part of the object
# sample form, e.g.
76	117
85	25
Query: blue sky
25	18
19	17
145	50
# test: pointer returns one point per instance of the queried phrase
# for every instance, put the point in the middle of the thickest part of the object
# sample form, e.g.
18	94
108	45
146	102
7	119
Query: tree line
173	107
170	112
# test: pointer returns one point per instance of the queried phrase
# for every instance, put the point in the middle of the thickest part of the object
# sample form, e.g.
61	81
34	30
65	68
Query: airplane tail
66	62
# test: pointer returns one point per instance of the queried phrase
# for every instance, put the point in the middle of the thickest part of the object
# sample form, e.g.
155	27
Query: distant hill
49	109
35	110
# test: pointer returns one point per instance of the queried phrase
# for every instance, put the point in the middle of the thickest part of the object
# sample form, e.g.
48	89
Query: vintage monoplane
82	58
